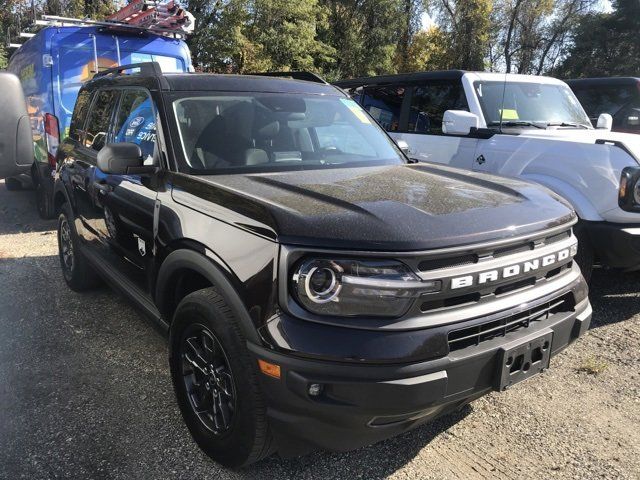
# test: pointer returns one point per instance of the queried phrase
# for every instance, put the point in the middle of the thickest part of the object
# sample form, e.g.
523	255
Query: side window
629	117
136	122
79	115
430	101
97	128
384	103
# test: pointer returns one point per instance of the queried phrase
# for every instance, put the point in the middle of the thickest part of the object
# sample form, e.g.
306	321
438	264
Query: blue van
53	65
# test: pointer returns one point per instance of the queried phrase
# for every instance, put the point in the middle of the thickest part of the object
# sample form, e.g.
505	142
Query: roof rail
146	68
308	76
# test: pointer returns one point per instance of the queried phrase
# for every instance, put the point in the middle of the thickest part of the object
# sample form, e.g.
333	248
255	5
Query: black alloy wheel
208	379
66	248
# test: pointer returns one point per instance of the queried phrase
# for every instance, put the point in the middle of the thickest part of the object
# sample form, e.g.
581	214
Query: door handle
102	188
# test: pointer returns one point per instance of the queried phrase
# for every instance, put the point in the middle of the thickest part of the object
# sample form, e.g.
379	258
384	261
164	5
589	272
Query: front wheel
216	382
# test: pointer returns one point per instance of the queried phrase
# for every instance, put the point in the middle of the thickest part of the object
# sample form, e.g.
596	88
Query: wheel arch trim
203	265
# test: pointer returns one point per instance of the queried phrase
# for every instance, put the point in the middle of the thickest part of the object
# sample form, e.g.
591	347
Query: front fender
203	265
580	203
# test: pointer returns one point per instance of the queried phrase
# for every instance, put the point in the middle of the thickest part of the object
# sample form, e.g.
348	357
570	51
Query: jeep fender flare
580	203
203	265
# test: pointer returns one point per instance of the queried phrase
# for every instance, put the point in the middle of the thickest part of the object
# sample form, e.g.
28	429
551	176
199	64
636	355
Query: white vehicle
526	126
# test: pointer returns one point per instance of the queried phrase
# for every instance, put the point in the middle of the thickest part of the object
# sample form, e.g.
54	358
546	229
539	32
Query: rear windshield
275	132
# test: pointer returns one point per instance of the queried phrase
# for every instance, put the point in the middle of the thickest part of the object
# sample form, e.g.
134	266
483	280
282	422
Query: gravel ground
85	392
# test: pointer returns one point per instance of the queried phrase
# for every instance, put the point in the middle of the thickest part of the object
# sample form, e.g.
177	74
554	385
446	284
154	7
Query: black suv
320	290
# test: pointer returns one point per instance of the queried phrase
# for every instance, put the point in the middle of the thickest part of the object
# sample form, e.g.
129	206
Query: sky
427	21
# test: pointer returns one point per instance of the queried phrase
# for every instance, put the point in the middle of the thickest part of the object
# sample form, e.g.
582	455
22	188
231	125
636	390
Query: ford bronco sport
319	289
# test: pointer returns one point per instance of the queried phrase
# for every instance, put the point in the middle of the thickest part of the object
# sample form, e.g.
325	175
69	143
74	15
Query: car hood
408	207
629	140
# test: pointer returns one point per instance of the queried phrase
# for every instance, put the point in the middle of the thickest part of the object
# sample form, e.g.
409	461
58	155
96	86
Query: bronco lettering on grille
510	270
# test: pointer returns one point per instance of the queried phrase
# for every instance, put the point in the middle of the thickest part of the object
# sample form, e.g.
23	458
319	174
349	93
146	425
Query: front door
127	203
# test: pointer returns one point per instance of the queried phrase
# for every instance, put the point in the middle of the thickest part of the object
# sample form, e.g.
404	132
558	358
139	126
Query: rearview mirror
16	140
404	146
121	159
459	122
605	122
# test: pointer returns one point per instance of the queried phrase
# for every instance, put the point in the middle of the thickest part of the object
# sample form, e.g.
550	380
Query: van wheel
44	202
13	184
216	382
585	257
77	272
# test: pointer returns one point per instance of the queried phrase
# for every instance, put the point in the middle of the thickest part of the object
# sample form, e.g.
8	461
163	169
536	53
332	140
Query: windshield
273	132
530	105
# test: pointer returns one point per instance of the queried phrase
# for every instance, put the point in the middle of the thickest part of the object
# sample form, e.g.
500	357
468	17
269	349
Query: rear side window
384	103
136	122
97	128
430	101
79	115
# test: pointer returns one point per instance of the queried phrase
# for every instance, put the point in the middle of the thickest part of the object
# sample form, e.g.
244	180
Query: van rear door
77	56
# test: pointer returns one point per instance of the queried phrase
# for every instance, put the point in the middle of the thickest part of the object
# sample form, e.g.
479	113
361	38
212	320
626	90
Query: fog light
315	389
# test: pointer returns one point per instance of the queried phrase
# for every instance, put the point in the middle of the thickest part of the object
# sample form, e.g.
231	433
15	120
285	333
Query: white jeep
526	126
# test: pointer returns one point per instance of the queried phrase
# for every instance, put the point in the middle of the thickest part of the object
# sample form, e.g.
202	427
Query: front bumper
363	404
616	245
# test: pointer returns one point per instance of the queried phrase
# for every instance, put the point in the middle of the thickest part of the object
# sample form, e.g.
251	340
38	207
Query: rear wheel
13	184
78	273
216	383
44	201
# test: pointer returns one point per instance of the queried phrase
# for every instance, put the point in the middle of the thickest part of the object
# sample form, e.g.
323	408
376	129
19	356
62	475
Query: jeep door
125	204
419	121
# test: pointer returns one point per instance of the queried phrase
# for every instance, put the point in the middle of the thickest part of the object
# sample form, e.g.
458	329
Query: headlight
353	288
629	193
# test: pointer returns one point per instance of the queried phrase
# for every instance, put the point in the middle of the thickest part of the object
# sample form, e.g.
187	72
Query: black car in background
617	96
319	289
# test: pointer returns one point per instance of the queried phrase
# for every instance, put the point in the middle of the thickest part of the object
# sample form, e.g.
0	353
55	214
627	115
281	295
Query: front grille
459	260
475	335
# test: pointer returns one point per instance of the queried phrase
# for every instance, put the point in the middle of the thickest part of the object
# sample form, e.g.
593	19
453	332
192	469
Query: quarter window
136	122
430	101
98	124
384	103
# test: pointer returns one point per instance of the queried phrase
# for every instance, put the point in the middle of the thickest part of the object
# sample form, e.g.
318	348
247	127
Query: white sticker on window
356	110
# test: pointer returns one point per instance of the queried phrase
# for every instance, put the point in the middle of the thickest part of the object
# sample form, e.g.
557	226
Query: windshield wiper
568	124
517	123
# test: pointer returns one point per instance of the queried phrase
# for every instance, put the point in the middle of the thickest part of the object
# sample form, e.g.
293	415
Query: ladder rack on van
162	18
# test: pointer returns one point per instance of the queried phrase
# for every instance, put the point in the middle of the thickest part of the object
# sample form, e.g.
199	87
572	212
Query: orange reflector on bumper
269	369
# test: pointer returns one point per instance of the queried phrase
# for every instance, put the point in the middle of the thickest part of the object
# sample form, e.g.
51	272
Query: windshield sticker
508	114
356	110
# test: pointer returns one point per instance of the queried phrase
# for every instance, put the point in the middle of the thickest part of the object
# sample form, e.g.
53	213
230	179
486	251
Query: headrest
269	131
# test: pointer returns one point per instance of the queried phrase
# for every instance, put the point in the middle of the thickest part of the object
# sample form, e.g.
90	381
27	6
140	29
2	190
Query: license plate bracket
524	360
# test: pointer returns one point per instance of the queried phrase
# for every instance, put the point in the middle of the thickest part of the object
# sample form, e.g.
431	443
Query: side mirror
459	122
16	142
404	146
121	159
605	122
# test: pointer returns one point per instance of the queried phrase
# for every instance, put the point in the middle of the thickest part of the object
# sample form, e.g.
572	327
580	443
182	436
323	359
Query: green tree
605	44
365	35
467	31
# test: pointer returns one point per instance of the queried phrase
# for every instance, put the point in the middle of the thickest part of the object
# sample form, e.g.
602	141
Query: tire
203	317
585	257
76	270
13	184
44	202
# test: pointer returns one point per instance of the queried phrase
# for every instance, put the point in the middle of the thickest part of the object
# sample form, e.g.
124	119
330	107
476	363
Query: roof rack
146	68
57	21
299	75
